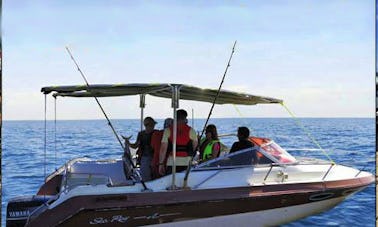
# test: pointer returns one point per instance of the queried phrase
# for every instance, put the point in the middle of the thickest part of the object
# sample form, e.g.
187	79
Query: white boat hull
272	217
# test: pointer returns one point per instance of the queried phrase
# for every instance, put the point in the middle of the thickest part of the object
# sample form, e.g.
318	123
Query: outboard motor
19	208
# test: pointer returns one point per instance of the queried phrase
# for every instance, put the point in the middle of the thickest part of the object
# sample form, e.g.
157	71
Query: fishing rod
106	116
185	183
219	88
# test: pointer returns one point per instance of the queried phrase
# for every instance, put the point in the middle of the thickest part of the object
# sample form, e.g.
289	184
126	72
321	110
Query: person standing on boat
186	142
210	146
243	143
145	150
156	143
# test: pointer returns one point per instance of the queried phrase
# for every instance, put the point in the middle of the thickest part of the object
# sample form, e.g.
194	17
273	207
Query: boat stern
19	209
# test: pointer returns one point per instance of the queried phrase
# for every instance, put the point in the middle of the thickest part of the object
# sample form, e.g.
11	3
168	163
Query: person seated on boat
156	143
243	143
145	150
186	142
210	145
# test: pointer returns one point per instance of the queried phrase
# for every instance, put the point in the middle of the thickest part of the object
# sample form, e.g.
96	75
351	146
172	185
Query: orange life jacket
183	142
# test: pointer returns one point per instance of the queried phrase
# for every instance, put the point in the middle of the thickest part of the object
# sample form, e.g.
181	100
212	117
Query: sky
316	55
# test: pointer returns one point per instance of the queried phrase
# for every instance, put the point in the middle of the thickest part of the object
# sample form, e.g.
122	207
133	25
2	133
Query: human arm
216	150
193	137
163	151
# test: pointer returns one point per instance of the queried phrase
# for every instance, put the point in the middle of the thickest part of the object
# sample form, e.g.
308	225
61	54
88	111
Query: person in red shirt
156	143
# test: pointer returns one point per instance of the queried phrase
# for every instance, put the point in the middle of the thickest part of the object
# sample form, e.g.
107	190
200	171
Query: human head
181	115
211	129
168	122
243	133
149	123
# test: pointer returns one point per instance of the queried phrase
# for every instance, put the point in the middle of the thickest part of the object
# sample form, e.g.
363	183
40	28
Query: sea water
27	156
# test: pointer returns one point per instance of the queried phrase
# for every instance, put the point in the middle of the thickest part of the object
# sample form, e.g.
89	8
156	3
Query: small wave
303	149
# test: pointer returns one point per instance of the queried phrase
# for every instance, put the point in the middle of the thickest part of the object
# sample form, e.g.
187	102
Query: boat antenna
106	116
219	88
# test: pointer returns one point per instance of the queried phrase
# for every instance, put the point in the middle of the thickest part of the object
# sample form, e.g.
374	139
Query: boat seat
112	169
77	179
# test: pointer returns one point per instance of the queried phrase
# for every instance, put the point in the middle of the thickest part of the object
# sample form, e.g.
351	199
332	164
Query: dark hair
213	130
181	114
243	132
168	122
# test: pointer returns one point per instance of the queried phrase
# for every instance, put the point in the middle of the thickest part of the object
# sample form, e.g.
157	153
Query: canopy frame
173	91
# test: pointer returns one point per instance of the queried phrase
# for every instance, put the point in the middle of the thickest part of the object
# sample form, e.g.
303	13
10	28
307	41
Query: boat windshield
238	158
276	153
267	152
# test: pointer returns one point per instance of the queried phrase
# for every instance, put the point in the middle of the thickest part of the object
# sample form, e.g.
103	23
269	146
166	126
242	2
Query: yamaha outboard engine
19	208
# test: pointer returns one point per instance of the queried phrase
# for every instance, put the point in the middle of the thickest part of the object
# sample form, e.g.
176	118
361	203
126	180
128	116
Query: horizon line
98	119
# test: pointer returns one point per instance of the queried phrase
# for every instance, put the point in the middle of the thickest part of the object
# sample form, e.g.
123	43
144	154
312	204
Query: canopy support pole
142	104
55	132
175	105
45	139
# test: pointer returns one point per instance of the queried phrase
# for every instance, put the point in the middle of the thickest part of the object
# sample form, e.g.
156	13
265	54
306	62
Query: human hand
162	170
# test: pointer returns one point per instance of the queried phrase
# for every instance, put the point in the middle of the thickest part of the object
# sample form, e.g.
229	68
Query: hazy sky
318	56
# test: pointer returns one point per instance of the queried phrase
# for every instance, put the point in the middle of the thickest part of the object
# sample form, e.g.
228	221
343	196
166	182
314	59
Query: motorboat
230	190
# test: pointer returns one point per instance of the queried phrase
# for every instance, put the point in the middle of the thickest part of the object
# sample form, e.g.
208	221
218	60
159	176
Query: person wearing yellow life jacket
210	146
186	142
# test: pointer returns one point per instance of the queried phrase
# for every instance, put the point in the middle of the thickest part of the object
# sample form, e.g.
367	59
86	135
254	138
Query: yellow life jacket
209	150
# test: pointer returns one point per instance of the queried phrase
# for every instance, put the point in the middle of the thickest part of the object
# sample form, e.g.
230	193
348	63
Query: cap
150	119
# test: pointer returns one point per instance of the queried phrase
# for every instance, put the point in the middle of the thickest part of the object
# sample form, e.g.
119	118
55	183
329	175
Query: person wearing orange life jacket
210	146
186	142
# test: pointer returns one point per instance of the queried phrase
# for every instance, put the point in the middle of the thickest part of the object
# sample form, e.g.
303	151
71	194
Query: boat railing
205	180
62	168
281	174
329	170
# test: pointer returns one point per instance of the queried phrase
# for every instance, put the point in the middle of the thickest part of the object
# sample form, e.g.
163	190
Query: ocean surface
348	141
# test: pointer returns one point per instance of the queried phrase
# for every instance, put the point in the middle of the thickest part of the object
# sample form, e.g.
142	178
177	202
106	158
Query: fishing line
306	131
241	115
243	119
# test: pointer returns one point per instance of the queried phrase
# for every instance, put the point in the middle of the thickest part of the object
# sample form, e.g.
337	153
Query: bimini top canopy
160	90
